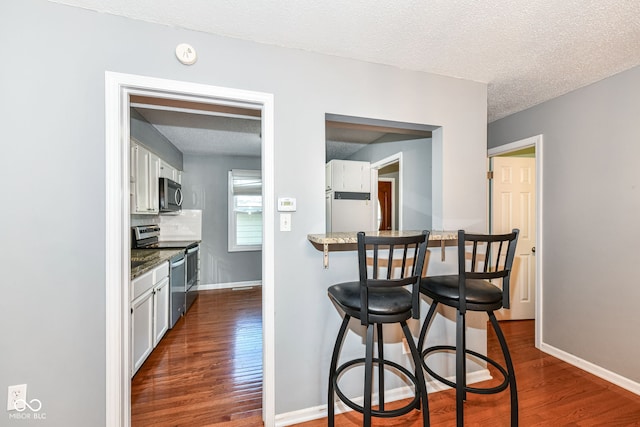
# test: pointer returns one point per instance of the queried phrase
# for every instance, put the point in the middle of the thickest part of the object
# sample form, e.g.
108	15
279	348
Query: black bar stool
377	299
474	289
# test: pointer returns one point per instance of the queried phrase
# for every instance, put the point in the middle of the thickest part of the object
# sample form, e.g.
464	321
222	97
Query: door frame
118	87
395	158
536	142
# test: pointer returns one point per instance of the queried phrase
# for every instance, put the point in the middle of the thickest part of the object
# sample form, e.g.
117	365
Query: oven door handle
192	250
178	194
178	264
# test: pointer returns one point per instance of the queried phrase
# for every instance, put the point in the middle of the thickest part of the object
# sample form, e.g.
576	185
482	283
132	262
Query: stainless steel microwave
170	196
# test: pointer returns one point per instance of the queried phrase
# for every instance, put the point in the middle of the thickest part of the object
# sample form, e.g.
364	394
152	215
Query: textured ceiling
527	51
206	134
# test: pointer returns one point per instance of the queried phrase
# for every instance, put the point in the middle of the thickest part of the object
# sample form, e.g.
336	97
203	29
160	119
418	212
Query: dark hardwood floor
208	371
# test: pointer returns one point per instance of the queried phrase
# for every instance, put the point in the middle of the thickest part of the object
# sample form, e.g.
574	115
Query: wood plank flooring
208	369
208	372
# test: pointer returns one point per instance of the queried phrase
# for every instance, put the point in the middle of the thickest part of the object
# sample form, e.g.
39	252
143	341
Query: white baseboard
316	412
589	367
230	285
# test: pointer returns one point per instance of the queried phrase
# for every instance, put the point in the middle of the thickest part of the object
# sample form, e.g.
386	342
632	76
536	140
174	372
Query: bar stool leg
425	326
461	368
512	375
380	367
368	376
332	370
422	385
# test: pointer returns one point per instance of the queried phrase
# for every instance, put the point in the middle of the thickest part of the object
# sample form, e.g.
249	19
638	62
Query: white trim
118	87
589	367
404	392
514	146
385	162
537	142
117	365
232	222
228	285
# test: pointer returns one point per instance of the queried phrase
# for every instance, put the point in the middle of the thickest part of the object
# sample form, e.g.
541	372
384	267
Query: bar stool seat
385	301
480	294
376	299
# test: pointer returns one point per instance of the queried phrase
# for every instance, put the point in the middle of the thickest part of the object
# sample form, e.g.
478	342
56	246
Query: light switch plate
285	222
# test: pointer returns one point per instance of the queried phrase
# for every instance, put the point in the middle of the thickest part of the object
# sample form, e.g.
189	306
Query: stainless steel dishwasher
191	275
177	285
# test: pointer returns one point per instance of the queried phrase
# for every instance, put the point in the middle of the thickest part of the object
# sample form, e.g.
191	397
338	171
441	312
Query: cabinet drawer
161	272
142	284
146	281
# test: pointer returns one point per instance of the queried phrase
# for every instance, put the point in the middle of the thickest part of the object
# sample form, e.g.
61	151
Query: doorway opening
118	90
383	144
515	201
389	173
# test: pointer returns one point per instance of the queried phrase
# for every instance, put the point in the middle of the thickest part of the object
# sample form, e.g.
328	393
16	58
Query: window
245	210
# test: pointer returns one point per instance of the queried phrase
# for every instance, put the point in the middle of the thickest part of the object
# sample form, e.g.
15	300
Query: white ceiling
527	51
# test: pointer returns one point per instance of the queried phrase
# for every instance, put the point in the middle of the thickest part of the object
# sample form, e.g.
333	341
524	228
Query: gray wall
416	177
591	226
204	184
52	309
151	138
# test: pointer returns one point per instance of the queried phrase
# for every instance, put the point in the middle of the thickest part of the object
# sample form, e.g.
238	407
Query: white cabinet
348	175
168	171
149	313
146	167
160	310
141	330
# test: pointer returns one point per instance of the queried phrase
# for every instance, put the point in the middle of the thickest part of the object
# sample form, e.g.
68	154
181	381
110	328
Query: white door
514	206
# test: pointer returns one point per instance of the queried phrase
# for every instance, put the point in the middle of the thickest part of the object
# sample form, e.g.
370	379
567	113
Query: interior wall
590	218
57	79
205	187
416	177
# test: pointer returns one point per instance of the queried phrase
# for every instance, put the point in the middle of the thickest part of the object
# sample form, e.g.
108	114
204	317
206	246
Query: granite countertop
143	260
346	241
352	237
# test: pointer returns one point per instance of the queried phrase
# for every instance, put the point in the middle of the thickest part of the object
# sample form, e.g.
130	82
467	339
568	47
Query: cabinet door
132	176
142	180
348	175
356	176
154	176
141	330
160	310
147	168
167	171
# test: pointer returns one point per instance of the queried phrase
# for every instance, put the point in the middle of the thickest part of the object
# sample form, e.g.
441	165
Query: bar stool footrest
387	413
478	390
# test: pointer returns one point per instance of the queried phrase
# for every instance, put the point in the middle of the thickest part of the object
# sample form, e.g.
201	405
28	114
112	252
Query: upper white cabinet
146	172
348	175
168	171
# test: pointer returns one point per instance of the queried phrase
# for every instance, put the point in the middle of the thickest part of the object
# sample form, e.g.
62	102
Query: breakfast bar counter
347	241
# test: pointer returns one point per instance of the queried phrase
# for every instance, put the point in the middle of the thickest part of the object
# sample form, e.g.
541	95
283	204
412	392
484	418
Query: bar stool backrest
486	257
391	261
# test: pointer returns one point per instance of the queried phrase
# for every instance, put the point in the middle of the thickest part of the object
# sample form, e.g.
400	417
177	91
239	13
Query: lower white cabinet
149	313
141	329
160	310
